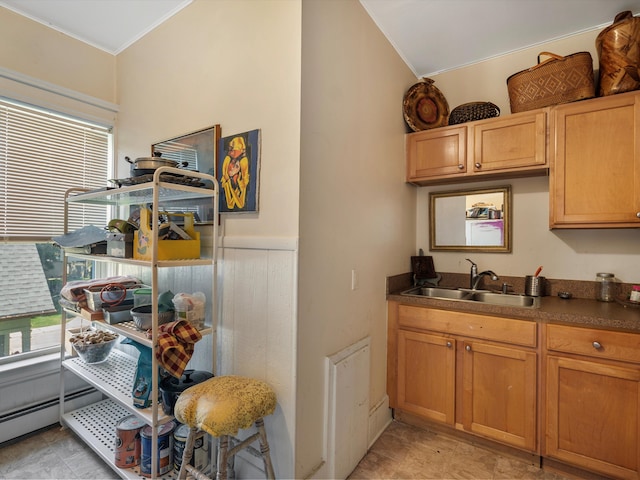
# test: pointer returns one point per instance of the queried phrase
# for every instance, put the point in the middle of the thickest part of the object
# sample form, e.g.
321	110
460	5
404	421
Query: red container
128	441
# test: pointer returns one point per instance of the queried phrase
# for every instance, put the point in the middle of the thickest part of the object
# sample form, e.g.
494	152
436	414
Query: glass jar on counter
605	287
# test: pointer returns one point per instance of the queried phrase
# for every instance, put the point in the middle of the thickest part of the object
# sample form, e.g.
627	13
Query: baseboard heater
35	417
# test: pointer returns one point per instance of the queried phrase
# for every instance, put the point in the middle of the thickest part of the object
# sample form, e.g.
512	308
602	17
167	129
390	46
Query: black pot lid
188	379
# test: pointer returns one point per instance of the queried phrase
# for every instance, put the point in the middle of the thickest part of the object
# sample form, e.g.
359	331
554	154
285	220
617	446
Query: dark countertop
584	312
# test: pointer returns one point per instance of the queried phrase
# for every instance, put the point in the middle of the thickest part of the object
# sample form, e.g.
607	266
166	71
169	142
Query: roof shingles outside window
23	286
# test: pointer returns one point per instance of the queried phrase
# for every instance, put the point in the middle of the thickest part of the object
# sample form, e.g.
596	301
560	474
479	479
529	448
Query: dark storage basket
554	81
468	112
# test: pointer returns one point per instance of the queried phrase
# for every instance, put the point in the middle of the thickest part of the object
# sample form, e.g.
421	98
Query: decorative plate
425	107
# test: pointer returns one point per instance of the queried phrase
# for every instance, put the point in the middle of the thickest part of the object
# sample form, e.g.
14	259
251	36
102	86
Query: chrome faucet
475	277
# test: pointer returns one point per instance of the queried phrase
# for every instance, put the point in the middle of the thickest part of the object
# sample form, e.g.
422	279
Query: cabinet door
595	163
426	375
436	153
593	416
499	400
515	143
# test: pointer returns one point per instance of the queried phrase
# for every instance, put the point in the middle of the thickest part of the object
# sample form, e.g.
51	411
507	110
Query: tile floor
53	453
401	452
407	452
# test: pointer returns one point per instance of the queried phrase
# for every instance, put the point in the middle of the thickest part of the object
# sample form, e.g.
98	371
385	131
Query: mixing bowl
143	318
94	346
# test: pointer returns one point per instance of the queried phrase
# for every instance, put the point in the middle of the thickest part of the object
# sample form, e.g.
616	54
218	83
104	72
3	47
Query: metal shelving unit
96	424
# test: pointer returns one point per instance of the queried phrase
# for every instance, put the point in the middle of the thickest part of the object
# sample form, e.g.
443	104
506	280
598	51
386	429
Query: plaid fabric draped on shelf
176	342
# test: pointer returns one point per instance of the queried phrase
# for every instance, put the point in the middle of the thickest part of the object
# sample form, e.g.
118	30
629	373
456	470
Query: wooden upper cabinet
514	143
595	163
436	154
511	146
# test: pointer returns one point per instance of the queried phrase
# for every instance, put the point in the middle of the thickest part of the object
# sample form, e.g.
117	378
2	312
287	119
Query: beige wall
567	254
487	81
325	88
33	49
236	63
345	159
356	211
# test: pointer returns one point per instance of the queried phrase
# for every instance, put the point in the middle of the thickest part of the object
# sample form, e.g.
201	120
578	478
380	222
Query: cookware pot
172	387
148	165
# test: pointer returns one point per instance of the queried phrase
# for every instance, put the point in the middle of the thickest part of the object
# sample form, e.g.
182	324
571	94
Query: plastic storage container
142	296
191	308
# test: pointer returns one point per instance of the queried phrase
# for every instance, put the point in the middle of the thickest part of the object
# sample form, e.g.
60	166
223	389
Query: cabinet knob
478	165
597	345
638	214
449	344
461	167
468	348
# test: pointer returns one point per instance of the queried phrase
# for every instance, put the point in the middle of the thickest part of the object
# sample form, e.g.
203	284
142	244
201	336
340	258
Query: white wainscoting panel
257	332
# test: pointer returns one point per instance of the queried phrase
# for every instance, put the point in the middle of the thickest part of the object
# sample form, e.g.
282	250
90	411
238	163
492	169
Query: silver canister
534	286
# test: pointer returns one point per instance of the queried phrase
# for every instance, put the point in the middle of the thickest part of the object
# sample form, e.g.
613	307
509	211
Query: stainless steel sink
479	296
437	292
508	300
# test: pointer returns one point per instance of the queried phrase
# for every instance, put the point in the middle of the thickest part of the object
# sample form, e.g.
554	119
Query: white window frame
32	91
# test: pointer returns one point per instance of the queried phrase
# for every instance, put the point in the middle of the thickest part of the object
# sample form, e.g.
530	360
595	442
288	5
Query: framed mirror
194	151
471	220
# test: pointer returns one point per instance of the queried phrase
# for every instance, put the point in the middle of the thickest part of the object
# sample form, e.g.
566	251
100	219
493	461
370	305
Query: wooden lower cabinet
592	403
483	386
500	393
479	374
426	375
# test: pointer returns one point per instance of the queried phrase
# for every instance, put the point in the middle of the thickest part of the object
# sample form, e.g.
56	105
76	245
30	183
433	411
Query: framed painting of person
239	172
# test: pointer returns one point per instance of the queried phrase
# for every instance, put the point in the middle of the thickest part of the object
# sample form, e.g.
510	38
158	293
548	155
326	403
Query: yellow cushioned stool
220	407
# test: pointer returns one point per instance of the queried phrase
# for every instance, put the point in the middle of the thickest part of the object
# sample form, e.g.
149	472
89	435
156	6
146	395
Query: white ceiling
111	25
432	36
437	35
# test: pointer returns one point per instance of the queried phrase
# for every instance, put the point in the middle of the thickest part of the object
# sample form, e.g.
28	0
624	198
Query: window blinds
42	154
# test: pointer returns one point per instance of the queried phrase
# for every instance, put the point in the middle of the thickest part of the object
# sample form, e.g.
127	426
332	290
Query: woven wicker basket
618	48
554	81
468	112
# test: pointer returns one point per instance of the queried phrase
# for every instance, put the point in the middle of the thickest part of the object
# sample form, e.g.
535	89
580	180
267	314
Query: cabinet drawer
594	343
517	332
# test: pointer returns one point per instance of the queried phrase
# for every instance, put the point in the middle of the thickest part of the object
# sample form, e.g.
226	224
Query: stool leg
264	450
231	459
223	449
187	454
